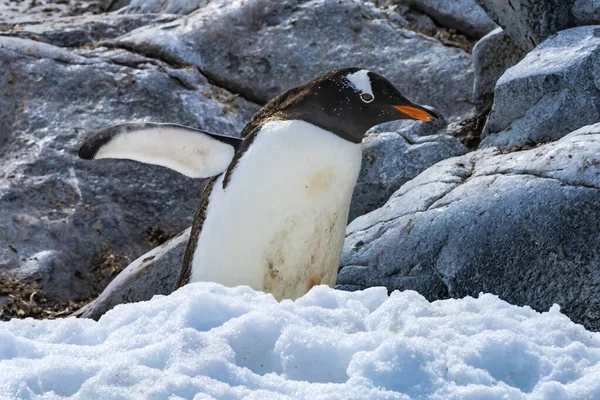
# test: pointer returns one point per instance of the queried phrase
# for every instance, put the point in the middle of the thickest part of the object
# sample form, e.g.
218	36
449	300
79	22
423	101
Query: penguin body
274	213
279	224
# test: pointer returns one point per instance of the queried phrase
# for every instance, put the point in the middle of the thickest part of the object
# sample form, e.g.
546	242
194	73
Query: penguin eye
367	97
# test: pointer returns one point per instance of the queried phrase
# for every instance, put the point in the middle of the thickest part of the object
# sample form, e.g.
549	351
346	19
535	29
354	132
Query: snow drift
207	341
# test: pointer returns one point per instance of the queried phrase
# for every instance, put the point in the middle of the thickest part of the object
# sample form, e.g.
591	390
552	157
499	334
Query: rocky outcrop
524	225
74	224
551	92
261	48
492	56
390	159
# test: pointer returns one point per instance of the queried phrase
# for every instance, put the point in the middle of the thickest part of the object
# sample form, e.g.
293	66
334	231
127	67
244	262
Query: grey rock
15	11
390	159
492	55
551	92
70	223
586	12
182	7
260	48
530	22
76	32
465	16
523	225
152	274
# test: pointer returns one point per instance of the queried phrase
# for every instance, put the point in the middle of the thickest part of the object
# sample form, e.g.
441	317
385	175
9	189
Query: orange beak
416	113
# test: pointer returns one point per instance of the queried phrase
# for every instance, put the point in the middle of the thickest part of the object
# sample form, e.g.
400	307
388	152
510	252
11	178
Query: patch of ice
207	341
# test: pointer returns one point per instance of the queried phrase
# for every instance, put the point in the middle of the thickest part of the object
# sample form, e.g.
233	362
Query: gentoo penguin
274	213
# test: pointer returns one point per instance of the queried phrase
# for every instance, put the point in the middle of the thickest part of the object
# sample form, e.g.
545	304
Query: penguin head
350	101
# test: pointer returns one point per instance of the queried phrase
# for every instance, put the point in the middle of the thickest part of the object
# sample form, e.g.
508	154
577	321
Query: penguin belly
279	224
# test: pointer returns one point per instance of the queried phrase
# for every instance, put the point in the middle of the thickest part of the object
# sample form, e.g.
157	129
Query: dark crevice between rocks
452	38
469	130
176	64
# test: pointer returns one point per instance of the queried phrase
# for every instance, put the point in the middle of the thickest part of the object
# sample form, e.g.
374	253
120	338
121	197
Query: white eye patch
361	82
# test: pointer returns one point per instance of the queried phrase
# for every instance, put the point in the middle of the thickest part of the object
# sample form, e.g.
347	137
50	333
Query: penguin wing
189	151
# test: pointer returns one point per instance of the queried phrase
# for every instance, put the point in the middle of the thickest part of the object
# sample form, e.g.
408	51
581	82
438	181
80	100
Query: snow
207	341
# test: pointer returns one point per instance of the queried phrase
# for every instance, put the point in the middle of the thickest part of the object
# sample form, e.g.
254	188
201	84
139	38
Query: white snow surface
206	341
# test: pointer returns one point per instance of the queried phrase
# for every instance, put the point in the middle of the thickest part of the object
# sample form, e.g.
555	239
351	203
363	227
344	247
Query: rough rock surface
390	159
530	22
153	273
465	16
524	225
12	11
272	46
182	7
74	224
586	12
492	56
551	92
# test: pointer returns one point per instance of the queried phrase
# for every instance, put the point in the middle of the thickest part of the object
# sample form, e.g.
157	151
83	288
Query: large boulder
524	225
390	159
492	56
530	22
260	48
72	224
551	92
465	16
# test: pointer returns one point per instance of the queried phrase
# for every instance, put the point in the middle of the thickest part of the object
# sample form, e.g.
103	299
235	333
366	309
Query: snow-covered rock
523	225
206	341
549	93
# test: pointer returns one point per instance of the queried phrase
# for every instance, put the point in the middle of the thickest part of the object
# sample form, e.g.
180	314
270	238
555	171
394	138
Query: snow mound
207	341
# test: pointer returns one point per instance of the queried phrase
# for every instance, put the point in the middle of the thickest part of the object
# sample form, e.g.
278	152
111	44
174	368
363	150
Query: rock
73	224
530	22
153	273
20	11
76	32
550	93
182	7
392	158
586	12
465	16
260	48
492	55
523	225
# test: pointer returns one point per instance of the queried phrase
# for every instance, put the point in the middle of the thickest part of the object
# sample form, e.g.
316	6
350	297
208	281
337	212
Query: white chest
279	224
